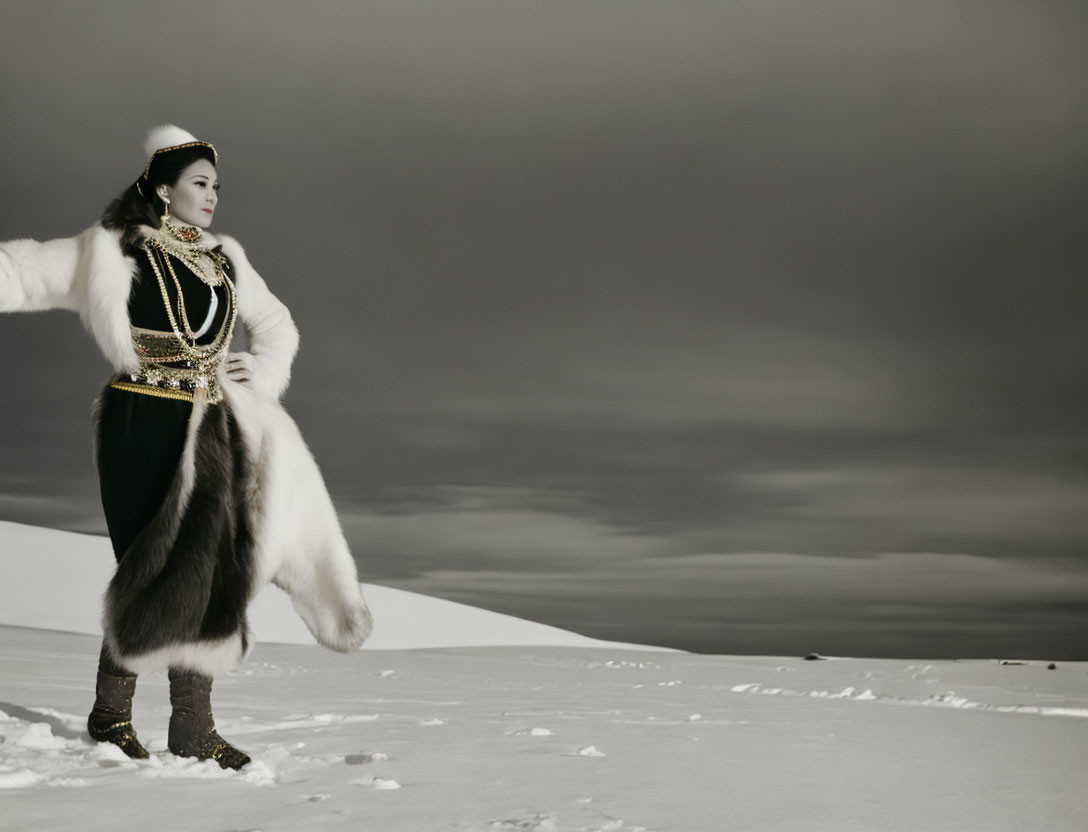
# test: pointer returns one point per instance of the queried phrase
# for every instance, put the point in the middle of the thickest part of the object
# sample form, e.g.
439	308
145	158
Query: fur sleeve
273	337
36	276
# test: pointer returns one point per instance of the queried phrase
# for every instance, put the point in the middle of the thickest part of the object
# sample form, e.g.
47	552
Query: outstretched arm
273	337
35	275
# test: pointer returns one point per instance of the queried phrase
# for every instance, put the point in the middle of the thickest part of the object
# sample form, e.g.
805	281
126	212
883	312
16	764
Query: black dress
141	436
173	490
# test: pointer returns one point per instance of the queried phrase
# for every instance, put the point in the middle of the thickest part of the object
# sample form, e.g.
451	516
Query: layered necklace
183	242
208	264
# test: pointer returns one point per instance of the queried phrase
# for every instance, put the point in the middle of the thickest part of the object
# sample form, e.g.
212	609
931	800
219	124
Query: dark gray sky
737	327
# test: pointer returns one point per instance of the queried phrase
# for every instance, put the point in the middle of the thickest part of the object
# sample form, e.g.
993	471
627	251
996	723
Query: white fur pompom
165	135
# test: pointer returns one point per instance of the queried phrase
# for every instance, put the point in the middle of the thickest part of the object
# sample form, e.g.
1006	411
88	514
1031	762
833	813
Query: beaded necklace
172	364
183	242
159	248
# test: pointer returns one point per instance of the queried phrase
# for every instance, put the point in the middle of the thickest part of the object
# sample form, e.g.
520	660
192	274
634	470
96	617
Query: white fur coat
300	546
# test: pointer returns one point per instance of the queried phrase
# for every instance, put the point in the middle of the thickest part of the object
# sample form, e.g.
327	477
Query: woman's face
193	197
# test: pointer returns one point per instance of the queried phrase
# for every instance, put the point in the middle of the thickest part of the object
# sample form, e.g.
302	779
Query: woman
209	491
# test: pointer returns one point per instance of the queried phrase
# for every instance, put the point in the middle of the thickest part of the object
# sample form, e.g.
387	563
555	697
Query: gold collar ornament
183	233
204	260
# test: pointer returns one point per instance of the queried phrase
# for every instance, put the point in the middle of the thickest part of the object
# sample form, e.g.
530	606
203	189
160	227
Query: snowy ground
552	733
556	738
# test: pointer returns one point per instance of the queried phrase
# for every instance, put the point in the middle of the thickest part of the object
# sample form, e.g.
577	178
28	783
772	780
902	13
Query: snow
552	738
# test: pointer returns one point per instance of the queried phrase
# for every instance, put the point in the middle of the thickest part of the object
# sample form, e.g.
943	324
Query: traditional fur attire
246	504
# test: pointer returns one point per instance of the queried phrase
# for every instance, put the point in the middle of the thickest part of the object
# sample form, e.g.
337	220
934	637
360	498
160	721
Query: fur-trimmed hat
168	137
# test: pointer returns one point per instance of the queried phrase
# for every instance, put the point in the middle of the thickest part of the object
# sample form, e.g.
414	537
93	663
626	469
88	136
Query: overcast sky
736	327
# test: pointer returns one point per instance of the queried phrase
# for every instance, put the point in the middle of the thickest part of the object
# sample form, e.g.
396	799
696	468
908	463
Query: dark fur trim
96	421
188	576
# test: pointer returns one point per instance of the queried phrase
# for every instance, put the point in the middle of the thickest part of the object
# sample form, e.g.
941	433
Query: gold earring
165	209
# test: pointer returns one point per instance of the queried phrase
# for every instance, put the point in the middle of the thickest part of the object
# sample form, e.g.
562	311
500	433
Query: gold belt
171	383
171	369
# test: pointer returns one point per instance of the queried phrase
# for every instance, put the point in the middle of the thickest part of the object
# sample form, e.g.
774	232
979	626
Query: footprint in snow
610	824
376	783
365	757
538	822
69	782
534	823
533	732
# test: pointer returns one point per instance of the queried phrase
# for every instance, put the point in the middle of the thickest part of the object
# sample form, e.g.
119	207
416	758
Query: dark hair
133	208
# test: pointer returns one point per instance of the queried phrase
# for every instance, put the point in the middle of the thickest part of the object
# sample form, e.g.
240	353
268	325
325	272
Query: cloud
743	583
668	378
499	542
474	529
953	502
517	550
906	604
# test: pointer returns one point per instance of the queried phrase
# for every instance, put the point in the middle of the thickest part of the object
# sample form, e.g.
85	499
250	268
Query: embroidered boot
111	718
192	728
